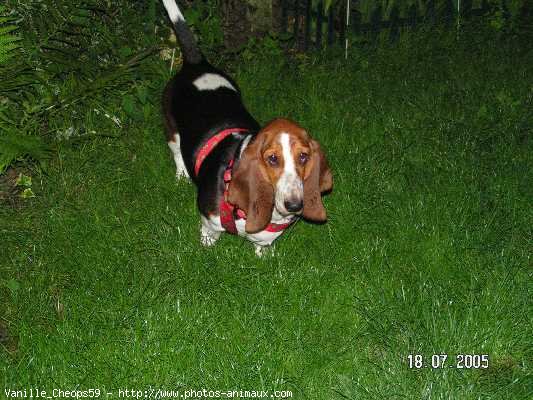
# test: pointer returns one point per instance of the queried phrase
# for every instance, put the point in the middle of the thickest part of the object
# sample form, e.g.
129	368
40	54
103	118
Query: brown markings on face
272	151
309	161
262	163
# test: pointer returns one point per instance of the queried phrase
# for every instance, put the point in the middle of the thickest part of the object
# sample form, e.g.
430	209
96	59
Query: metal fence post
375	22
284	16
394	32
331	32
307	37
319	18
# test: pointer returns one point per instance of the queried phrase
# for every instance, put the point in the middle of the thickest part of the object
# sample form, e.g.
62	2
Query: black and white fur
198	102
279	171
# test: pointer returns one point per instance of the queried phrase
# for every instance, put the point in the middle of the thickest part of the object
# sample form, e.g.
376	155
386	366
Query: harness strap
229	213
227	216
210	145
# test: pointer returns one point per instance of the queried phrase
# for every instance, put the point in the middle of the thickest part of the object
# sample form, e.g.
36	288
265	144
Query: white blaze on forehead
288	160
289	186
173	11
212	82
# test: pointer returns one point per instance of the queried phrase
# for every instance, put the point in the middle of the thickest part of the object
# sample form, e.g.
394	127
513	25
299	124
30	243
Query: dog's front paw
181	173
261	251
208	237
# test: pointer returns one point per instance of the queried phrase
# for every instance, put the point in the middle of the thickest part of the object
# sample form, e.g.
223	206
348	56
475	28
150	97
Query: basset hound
251	181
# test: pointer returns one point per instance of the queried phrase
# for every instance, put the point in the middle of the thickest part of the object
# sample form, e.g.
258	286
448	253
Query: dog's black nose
294	206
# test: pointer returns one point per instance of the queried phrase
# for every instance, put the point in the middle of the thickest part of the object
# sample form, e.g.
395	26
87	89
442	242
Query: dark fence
313	27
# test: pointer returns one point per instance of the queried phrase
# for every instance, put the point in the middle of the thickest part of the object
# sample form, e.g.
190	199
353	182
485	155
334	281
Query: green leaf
12	285
125	51
23	180
14	146
129	106
8	41
27	193
142	94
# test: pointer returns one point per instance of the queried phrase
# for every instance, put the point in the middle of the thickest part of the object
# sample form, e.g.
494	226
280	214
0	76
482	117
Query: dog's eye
273	160
304	157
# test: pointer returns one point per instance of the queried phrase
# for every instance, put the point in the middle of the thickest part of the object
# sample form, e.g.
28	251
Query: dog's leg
208	236
174	145
261	251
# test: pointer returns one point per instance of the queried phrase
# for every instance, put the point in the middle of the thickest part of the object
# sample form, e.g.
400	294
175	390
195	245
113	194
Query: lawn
427	250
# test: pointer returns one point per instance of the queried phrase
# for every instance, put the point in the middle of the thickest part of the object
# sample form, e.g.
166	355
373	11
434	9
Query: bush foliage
66	65
75	70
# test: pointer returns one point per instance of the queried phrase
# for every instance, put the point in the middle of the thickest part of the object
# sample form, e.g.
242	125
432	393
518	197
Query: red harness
229	213
210	145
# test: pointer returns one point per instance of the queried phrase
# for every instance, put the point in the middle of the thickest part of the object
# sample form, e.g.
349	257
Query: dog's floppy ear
318	180
250	189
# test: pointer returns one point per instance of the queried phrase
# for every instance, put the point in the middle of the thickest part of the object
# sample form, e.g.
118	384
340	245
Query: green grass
104	284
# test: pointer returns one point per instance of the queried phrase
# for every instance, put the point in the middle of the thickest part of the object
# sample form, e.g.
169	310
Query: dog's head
282	169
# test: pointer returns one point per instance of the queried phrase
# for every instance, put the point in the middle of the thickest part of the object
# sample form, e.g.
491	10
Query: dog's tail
189	48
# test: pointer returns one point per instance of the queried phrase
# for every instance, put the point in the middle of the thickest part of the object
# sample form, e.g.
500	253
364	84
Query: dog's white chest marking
213	225
212	82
